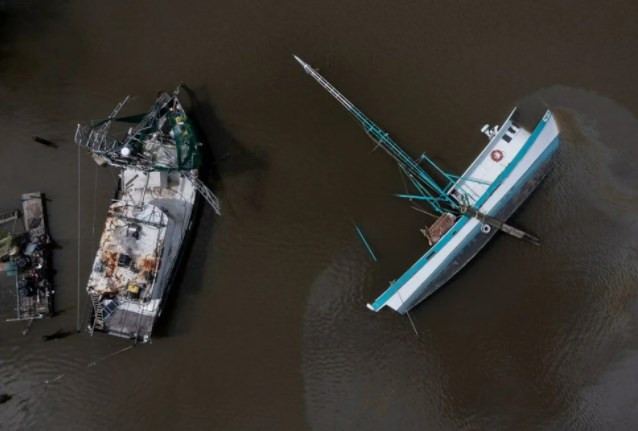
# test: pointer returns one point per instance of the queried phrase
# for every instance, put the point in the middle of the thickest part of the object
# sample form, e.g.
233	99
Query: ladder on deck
204	191
98	317
8	216
200	187
5	245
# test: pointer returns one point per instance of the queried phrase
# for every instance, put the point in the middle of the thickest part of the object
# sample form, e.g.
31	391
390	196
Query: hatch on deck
435	232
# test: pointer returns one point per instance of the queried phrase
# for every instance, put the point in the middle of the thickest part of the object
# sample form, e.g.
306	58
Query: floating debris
365	242
110	355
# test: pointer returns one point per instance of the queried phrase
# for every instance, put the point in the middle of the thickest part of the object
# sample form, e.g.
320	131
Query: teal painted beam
365	242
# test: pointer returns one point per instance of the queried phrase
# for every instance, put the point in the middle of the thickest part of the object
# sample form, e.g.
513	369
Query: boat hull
465	239
479	239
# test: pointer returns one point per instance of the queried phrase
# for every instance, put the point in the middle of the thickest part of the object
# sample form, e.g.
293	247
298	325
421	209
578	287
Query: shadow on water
217	142
56	313
185	282
5	52
230	157
57	335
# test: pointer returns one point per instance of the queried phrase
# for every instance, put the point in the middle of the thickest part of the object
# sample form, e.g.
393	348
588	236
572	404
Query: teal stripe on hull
385	297
432	286
542	159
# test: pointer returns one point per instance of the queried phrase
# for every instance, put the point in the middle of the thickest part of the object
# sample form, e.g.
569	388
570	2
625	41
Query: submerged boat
471	207
150	217
27	256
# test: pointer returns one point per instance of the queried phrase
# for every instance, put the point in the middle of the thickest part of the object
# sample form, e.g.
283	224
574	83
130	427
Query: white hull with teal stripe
524	155
489	191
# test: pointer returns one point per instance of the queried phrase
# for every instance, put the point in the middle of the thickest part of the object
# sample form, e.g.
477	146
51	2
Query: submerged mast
426	185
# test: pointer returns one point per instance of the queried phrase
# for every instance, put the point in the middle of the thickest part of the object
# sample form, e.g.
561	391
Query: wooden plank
436	231
33	211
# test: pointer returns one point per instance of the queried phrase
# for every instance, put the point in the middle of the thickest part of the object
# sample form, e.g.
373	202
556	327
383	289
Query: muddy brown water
268	329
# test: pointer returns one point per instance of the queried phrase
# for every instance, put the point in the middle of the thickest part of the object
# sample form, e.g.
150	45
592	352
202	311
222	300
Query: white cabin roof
129	249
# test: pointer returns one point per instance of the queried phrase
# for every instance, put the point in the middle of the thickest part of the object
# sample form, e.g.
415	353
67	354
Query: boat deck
516	179
129	250
138	249
493	160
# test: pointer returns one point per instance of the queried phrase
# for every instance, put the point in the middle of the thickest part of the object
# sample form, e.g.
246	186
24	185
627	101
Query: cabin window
507	138
511	129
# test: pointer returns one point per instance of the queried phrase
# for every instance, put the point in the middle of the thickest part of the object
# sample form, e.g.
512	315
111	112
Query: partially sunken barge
27	257
150	217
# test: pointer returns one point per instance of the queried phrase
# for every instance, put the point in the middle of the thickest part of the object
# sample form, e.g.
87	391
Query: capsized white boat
472	207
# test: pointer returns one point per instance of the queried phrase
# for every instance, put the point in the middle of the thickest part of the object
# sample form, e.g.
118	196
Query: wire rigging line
405	185
416	207
94	363
407	312
79	239
94	204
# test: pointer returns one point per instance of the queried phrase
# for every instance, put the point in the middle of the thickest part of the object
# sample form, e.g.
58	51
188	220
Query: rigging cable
77	326
415	205
92	364
405	185
94	205
408	314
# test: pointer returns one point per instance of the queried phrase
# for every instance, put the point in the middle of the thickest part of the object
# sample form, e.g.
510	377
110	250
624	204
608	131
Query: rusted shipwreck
26	255
149	219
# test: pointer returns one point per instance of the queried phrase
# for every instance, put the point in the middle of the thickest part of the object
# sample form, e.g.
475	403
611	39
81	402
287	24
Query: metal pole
77	325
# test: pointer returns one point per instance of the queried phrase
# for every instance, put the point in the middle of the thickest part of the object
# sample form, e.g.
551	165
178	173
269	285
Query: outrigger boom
423	182
428	189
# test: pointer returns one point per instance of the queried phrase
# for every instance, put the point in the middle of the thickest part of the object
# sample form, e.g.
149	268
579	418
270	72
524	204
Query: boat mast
96	139
420	178
431	192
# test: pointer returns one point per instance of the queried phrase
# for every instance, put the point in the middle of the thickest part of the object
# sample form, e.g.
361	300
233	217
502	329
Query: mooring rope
416	207
408	314
110	355
79	241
